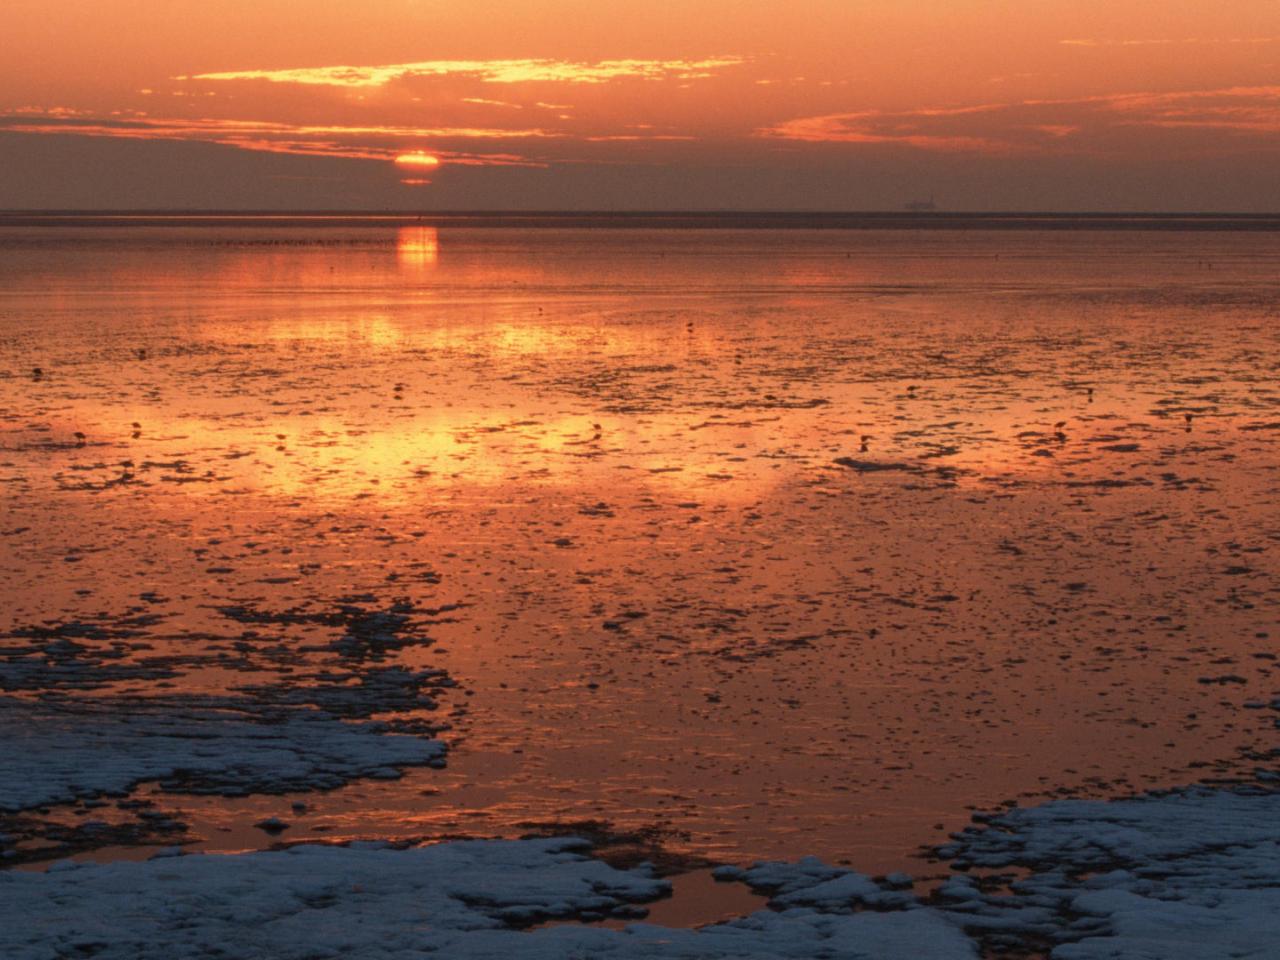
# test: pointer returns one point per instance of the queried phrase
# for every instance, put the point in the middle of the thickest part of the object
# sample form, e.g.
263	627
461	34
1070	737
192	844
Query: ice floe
1191	874
286	730
465	900
1184	874
56	752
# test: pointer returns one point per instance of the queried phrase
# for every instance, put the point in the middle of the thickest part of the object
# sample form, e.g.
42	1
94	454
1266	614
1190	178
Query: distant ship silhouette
922	206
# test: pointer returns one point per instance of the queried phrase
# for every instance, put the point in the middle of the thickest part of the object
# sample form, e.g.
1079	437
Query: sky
607	105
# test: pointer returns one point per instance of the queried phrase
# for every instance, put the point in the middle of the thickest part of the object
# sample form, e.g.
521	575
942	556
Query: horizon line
608	212
781	220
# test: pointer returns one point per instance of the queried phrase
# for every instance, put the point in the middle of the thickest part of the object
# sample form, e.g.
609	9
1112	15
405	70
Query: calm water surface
604	469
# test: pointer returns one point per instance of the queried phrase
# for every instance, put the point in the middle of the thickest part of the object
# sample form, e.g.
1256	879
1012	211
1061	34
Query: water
607	459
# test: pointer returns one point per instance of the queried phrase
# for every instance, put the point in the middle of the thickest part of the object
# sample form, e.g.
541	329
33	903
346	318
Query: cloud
481	101
488	71
1058	129
1170	42
350	142
931	129
1085	124
637	138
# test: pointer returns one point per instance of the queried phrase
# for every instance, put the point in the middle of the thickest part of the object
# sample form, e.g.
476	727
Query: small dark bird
911	388
79	438
37	373
137	430
1187	417
141	353
863	439
1060	424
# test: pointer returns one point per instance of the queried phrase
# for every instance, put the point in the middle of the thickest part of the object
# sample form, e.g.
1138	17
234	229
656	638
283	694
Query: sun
417	161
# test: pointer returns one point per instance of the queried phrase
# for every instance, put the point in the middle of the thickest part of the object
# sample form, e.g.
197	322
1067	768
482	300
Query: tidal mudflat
709	546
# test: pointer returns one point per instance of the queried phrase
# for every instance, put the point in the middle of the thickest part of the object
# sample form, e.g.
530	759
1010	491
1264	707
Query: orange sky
826	104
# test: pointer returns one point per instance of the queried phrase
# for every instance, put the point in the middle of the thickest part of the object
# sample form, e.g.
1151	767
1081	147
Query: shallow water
608	461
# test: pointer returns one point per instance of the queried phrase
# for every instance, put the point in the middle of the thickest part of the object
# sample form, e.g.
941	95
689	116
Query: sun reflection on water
417	247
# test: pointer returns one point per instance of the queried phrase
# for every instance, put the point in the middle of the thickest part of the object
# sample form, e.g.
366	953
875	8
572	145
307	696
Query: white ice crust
457	900
1190	874
1185	875
54	754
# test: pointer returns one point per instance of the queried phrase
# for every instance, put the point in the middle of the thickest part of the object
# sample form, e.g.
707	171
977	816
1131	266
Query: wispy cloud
1051	126
488	71
483	102
933	129
1170	42
1243	109
636	138
351	142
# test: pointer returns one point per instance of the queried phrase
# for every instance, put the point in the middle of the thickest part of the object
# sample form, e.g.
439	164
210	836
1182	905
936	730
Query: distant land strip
663	220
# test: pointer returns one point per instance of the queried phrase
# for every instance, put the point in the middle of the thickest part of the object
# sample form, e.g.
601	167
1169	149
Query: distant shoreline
704	220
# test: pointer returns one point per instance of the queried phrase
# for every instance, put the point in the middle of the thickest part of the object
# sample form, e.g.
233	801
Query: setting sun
417	161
